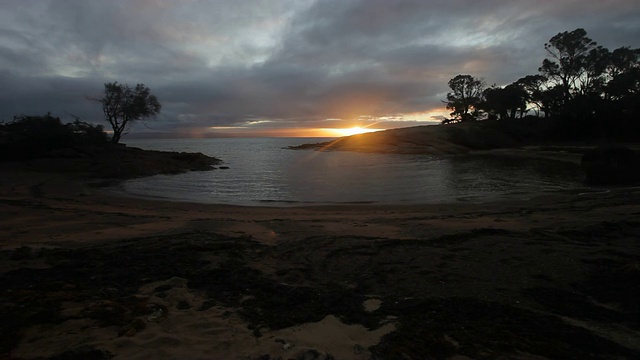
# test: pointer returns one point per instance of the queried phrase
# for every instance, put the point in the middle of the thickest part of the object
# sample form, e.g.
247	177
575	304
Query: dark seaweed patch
441	328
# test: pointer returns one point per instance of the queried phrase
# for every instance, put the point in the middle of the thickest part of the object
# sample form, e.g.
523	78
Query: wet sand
85	274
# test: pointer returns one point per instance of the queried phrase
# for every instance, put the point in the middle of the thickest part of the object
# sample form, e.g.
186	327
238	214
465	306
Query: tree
465	97
595	65
505	102
122	106
585	90
568	52
552	100
623	91
533	85
624	73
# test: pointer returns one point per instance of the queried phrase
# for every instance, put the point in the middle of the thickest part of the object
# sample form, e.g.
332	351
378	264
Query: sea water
262	171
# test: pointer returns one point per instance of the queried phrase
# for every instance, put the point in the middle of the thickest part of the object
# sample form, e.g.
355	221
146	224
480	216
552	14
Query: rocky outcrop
612	165
118	162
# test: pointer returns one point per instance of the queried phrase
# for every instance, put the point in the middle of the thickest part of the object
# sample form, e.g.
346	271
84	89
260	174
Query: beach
88	274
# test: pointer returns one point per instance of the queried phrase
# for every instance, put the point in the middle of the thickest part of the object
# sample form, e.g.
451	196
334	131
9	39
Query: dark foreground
554	278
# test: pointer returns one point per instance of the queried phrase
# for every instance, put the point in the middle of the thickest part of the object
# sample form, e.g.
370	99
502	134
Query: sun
353	131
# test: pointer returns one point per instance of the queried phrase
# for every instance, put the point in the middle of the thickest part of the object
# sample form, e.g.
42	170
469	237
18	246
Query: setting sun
353	131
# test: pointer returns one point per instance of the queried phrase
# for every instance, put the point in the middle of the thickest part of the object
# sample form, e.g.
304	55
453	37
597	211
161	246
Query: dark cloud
282	63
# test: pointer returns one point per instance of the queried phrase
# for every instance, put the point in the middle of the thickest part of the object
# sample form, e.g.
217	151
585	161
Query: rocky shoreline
115	162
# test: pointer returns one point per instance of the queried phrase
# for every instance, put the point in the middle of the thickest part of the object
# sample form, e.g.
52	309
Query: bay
263	172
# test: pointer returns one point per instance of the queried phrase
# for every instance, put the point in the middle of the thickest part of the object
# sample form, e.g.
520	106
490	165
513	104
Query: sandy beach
86	274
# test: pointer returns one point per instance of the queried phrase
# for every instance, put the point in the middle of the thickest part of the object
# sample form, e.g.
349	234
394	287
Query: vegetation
28	137
123	105
44	143
465	98
588	91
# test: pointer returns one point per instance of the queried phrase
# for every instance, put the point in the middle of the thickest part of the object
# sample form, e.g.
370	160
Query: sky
281	67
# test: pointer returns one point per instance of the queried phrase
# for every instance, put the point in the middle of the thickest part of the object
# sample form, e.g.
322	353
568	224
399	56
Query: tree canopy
570	55
123	105
465	97
586	89
505	102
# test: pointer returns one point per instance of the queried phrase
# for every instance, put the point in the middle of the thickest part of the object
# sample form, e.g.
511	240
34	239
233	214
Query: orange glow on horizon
355	130
284	132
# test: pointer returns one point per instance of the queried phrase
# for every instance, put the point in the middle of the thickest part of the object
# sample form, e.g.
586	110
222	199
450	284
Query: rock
371	305
133	328
114	161
158	312
611	165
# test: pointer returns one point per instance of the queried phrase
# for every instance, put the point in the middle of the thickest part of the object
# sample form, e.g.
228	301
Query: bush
28	137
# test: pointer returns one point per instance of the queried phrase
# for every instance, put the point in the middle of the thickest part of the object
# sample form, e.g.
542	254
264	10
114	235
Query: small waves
262	172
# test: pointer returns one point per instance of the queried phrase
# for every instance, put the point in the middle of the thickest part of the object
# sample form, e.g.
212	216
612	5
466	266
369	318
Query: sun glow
246	131
352	131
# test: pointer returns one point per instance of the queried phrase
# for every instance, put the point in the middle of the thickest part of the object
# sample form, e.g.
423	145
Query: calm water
262	173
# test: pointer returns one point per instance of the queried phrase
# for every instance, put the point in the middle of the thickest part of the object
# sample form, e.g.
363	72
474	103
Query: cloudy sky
278	67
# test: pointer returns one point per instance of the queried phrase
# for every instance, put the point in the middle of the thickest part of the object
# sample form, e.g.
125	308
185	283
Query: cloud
281	63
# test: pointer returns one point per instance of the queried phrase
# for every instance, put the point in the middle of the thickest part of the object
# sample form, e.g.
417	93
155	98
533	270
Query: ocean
263	172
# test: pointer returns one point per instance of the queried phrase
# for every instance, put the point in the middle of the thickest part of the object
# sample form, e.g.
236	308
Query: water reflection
484	176
262	171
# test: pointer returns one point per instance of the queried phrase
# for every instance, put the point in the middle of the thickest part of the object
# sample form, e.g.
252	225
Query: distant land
444	139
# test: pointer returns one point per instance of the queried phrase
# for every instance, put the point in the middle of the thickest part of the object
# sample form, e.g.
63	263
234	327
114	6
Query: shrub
28	137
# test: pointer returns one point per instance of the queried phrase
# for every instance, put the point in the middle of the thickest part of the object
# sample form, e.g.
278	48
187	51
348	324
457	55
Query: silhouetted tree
584	89
534	87
624	73
595	65
624	84
622	92
568	52
465	97
552	100
506	102
123	105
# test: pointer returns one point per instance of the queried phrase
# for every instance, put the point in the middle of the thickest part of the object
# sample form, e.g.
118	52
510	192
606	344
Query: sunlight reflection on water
263	172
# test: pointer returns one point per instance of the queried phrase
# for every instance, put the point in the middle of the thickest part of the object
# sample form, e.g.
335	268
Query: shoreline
550	277
571	155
